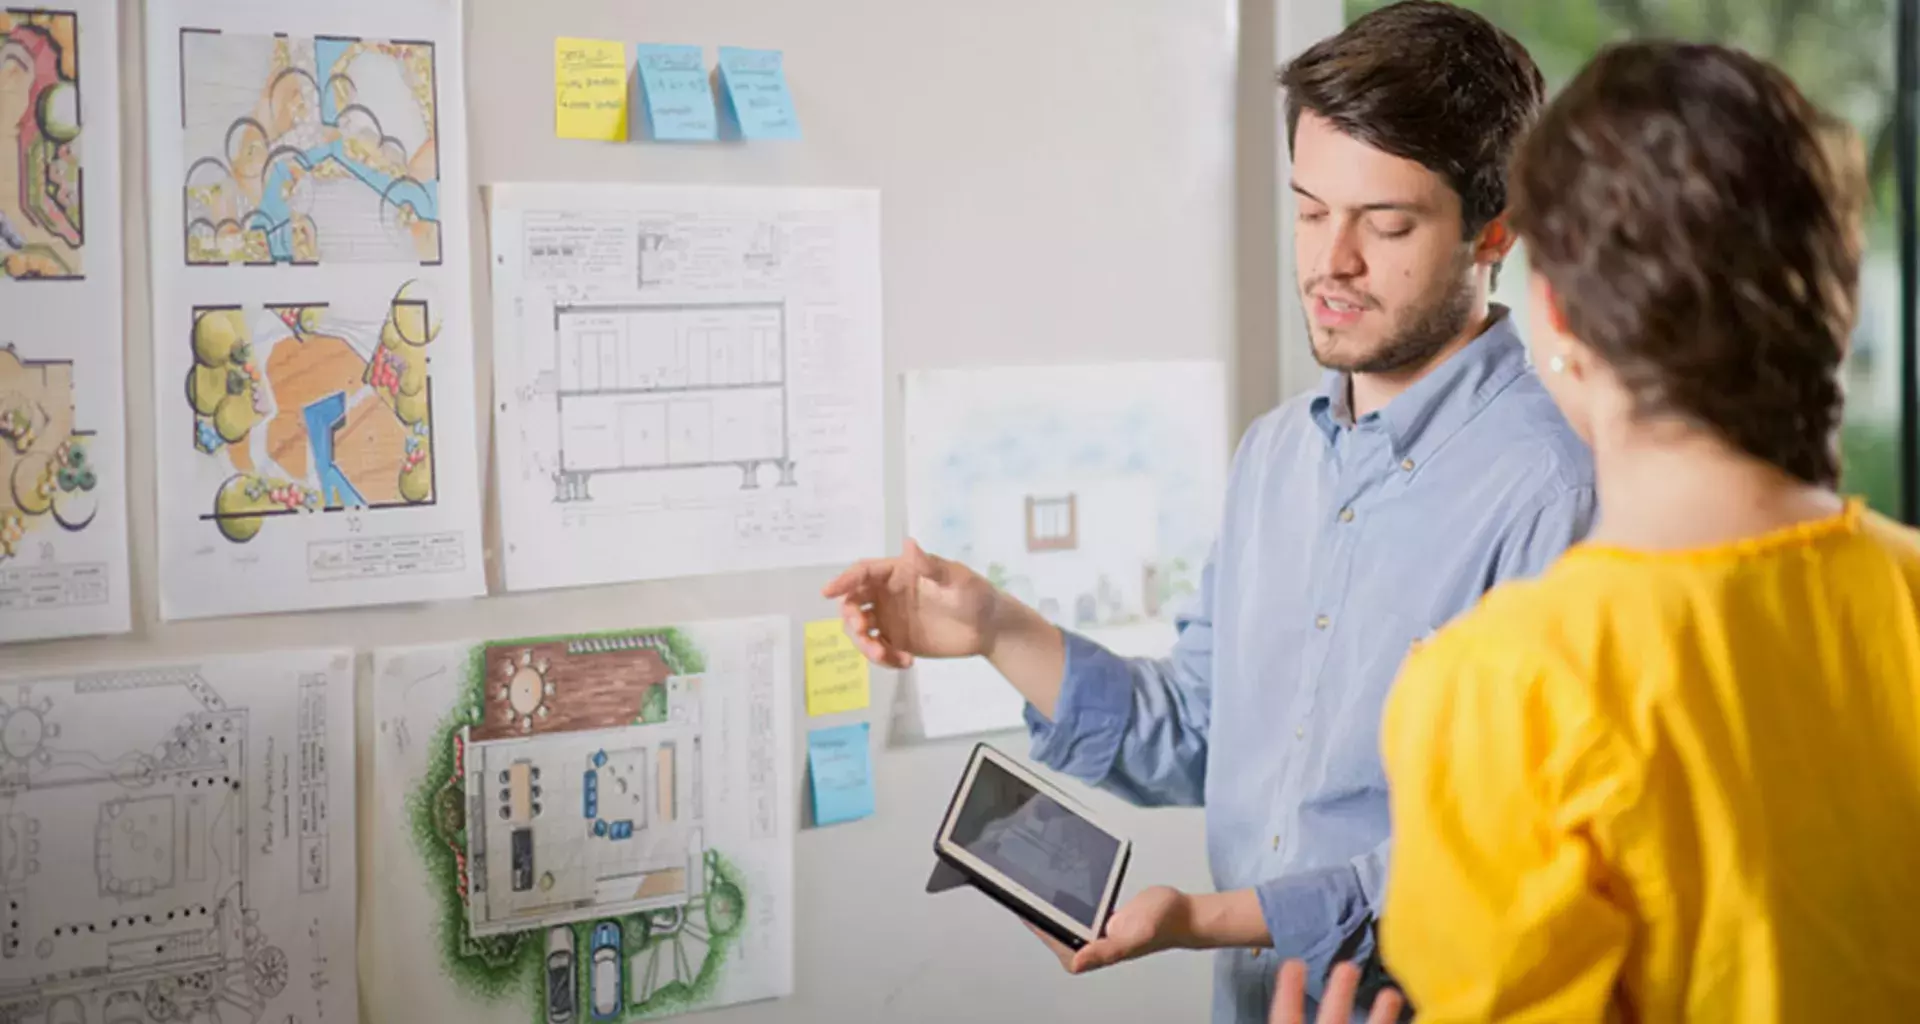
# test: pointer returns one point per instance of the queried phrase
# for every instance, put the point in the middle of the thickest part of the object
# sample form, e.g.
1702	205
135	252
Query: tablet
1019	839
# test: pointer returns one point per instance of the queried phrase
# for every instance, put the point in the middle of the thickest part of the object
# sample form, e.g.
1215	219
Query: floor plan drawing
318	438
671	387
176	842
597	822
699	367
1090	493
42	222
308	407
309	150
63	494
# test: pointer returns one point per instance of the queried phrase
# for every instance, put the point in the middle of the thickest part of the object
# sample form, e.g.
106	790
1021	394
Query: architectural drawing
63	496
597	821
309	150
671	387
1089	493
306	409
176	843
313	366
50	480
697	367
42	229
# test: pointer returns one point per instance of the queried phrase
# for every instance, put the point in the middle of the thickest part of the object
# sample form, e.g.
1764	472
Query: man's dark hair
1699	222
1429	82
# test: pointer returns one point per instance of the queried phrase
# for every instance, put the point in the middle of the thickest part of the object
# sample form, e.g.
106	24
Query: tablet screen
1033	840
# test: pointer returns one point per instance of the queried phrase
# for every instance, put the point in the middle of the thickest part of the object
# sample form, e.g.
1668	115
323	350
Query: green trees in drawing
511	965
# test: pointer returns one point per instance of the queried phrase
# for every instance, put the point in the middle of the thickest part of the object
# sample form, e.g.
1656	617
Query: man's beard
1410	346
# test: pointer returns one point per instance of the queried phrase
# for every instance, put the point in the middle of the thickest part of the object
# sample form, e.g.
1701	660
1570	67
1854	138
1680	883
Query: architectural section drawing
698	368
598	821
305	408
176	843
646	388
1090	493
42	231
309	150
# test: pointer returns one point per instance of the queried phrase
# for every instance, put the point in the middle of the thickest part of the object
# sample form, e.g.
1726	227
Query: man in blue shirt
1429	466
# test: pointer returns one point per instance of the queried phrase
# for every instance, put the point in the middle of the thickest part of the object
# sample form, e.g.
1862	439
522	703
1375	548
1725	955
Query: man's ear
1495	242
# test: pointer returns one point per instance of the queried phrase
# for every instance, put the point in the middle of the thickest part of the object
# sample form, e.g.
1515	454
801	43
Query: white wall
1067	180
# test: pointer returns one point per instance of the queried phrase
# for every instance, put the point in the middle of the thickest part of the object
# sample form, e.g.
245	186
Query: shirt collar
1441	401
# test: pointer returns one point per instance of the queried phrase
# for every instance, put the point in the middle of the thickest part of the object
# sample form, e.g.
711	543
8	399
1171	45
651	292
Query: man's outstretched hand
914	605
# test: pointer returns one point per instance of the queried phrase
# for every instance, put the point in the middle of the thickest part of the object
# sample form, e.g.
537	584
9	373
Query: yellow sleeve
1496	907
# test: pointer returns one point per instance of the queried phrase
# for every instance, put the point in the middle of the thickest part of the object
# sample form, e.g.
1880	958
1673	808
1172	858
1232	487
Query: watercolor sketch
1091	493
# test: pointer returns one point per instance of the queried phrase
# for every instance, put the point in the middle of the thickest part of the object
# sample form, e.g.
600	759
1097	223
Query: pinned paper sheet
590	89
676	96
753	85
841	772
836	670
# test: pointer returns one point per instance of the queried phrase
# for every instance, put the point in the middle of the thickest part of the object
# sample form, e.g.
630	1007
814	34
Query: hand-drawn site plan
314	361
590	827
688	380
63	495
176	843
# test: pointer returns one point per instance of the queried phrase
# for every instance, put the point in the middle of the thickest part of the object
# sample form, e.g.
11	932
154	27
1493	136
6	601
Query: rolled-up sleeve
1317	916
1136	727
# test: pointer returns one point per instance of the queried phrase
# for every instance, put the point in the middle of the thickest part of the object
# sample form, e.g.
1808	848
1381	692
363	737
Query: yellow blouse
1663	787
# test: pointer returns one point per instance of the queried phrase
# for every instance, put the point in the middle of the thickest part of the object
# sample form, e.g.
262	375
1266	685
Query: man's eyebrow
1393	206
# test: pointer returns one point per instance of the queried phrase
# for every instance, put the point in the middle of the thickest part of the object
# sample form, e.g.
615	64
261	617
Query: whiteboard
1063	181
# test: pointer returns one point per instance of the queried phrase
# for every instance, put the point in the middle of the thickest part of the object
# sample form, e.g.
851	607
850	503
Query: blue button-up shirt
1342	543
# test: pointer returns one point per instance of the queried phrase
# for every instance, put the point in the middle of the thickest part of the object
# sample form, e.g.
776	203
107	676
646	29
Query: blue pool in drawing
324	418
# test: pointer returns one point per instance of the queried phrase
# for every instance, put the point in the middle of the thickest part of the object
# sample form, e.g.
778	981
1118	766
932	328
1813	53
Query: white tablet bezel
960	855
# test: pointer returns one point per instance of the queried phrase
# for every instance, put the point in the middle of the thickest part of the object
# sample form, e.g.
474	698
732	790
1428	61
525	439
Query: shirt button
1346	515
1406	464
1322	622
1300	734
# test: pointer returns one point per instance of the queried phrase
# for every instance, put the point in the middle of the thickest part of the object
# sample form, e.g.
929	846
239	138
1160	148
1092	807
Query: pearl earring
1557	364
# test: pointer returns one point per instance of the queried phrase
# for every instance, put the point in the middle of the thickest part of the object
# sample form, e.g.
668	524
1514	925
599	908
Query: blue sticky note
753	89
842	774
676	98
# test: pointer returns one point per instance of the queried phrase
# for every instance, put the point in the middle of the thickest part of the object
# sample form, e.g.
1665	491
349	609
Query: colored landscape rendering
563	821
309	408
309	151
46	474
41	227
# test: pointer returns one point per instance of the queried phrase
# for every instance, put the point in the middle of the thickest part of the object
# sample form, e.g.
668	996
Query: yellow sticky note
590	89
836	670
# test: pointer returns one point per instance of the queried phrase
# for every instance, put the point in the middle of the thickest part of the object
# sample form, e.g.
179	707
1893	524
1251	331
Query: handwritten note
678	99
842	774
753	85
836	670
590	89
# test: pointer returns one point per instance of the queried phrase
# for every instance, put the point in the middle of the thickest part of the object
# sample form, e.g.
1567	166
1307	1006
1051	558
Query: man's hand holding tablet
1016	837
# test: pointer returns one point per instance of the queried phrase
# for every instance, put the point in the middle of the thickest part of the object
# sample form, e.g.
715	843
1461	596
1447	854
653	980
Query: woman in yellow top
1677	776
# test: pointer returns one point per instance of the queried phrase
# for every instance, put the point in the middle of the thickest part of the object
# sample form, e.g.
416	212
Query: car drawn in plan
606	971
130	842
560	976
